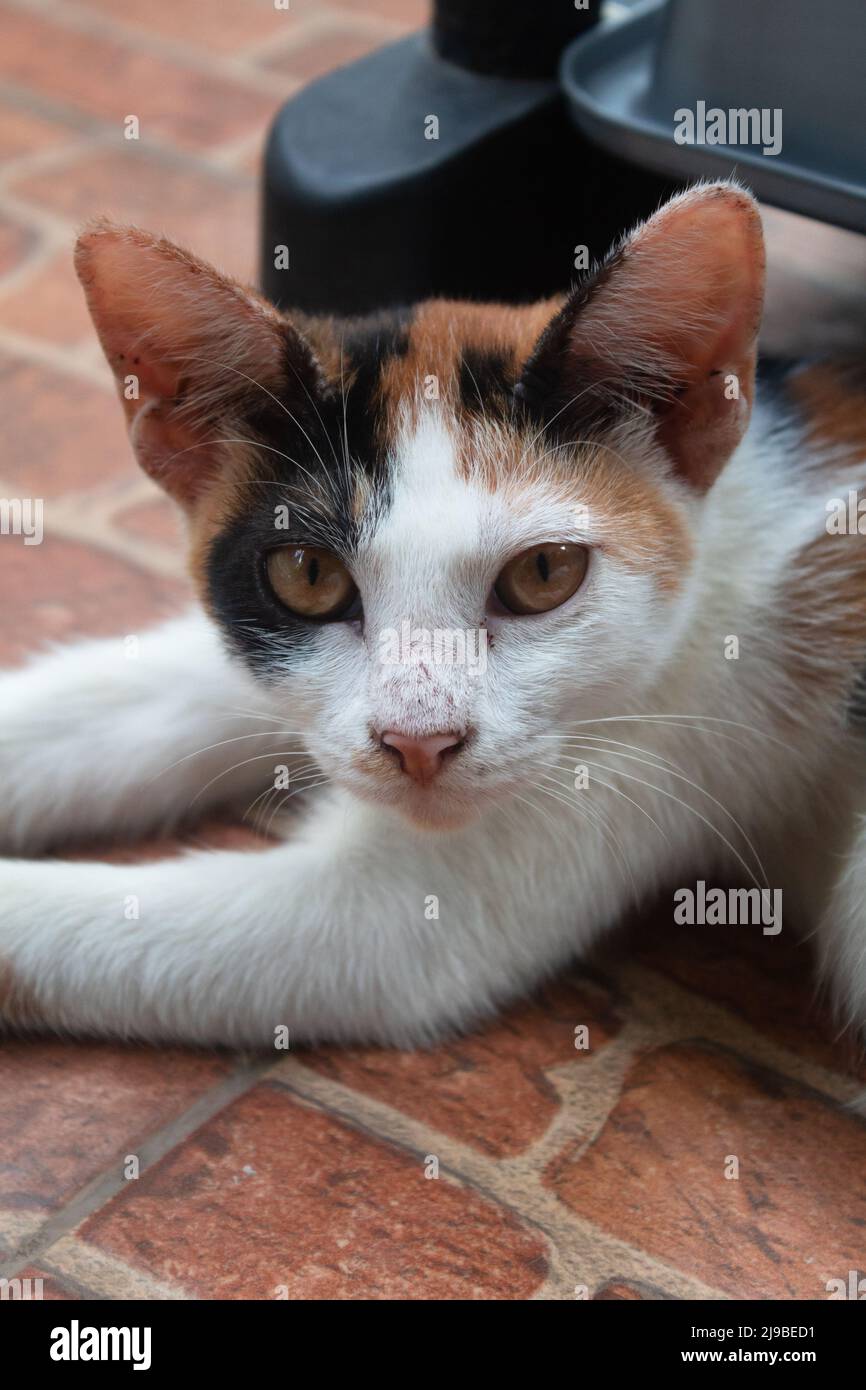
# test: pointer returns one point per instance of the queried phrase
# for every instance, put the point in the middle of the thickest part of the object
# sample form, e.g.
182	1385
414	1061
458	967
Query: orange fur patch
644	528
649	531
216	508
441	331
836	413
824	624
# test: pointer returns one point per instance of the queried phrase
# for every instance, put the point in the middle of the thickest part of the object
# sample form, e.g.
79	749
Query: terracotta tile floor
561	1172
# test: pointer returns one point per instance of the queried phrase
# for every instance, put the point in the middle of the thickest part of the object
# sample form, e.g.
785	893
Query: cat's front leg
360	929
128	737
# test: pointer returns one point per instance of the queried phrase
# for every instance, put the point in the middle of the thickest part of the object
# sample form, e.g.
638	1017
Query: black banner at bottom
153	1339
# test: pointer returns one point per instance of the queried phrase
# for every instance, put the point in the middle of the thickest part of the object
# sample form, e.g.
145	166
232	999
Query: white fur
331	933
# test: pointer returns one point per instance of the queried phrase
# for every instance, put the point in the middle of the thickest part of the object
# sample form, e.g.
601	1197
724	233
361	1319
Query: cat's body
481	823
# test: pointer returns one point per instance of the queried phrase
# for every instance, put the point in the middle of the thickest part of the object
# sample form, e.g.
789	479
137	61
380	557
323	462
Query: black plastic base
374	213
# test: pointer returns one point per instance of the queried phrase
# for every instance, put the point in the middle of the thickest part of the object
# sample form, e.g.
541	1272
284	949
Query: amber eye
542	578
311	581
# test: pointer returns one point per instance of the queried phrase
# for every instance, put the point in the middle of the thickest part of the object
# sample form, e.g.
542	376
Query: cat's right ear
191	351
668	323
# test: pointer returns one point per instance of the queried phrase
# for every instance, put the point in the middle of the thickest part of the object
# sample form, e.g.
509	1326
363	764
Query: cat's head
444	534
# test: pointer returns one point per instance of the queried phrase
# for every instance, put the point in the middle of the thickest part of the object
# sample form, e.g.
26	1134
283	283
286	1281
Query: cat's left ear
192	351
669	322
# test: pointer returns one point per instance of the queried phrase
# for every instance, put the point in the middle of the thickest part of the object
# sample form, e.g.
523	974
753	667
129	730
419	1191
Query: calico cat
654	640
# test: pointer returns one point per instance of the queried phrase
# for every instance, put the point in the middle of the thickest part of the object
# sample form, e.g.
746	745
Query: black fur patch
305	436
258	627
367	346
555	386
485	381
578	396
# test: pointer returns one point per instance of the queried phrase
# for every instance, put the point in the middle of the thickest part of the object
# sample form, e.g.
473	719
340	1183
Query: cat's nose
420	758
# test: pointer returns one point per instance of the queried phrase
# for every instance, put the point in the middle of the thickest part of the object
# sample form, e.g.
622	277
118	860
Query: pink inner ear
688	286
177	456
194	339
168	317
681	306
124	276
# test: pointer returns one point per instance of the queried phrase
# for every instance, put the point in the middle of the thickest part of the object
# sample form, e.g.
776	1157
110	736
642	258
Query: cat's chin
441	816
427	810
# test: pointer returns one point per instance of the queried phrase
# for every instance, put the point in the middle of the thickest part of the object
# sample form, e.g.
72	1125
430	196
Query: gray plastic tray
624	82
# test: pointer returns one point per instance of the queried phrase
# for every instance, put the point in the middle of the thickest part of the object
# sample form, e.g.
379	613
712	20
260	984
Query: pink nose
421	758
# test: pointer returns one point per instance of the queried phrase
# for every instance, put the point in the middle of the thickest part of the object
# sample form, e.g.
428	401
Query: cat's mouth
449	799
429	808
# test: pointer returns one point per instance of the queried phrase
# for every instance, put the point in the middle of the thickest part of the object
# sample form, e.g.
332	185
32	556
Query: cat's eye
312	582
542	578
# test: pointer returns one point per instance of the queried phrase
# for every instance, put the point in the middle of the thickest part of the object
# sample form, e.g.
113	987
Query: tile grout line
100	1190
697	1019
148	557
73	122
50	244
323	24
104	138
102	26
68	362
108	140
89	1294
35	162
102	1273
535	1207
107	1277
716	1023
